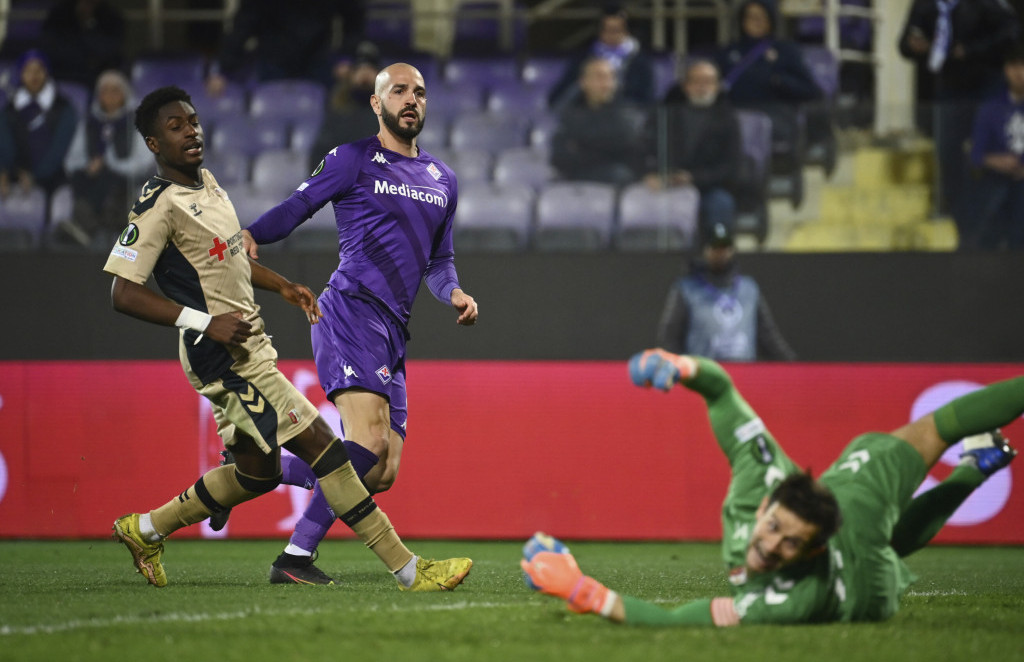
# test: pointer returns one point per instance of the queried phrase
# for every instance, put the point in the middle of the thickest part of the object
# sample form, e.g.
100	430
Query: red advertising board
494	450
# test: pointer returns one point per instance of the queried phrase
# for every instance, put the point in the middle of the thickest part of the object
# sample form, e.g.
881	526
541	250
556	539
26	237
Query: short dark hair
149	108
812	502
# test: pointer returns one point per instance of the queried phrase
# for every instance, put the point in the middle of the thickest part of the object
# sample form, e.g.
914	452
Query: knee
257	484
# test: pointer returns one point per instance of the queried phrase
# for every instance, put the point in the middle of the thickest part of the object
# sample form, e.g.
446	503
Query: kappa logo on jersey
379	158
773	597
384	373
129	235
349	371
434	172
762	449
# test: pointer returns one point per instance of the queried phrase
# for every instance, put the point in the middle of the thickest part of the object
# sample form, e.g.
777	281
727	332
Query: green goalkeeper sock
928	512
981	411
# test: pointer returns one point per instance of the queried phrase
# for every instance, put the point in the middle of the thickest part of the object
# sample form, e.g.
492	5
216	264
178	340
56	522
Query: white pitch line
93	623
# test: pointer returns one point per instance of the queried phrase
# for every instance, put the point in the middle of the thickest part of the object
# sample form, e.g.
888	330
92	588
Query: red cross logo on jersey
218	249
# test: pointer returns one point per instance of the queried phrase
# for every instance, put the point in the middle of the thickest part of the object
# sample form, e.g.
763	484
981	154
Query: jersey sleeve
142	242
335	175
809	599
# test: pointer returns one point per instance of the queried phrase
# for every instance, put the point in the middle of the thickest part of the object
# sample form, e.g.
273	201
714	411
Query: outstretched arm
143	303
294	293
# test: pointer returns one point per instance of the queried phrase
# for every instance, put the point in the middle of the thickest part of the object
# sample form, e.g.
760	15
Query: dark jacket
985	28
51	139
598	144
778	74
705	141
636	80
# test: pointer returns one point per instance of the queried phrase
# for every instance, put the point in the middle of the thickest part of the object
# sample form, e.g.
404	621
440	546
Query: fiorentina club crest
384	373
434	172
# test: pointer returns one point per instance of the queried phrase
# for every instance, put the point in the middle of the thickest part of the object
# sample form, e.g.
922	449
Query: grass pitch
82	600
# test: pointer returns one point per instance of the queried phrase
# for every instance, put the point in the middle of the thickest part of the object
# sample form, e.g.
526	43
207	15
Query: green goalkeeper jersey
858	576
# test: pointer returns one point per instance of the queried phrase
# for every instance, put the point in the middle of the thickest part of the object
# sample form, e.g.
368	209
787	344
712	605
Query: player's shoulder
353	153
149	195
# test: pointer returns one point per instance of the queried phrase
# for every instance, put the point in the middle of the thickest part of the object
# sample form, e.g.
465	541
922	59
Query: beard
392	122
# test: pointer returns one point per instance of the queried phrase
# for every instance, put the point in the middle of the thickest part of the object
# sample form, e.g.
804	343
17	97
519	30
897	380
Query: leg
295	565
928	512
366	419
981	411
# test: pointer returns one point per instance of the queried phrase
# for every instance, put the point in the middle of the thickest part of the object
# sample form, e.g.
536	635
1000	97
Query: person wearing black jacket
959	47
697	141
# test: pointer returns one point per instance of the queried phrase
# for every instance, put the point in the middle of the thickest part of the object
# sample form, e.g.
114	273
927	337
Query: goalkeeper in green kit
801	550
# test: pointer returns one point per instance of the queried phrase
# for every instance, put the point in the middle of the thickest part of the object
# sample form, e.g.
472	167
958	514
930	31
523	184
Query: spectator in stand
633	67
701	144
36	129
598	138
961	44
108	162
348	116
83	38
996	195
272	40
717	312
765	73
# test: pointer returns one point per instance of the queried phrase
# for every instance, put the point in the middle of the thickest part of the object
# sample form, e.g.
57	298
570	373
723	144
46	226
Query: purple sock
318	516
296	472
314	523
362	459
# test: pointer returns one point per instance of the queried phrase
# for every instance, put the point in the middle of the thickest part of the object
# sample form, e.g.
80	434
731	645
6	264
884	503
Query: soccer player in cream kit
394	205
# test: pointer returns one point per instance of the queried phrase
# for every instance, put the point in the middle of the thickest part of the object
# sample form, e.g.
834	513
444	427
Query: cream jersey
189	239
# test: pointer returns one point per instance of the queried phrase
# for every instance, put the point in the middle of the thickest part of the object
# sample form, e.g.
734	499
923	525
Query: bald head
399	70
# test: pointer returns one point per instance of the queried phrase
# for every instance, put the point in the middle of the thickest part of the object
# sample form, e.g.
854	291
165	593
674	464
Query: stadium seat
22	219
151	72
574	216
294	101
278	172
481	28
752	187
480	72
542	129
523	165
664	220
543	71
319	233
250	204
665	73
79	95
232	102
446	99
493	218
434	136
469	165
229	167
515	97
488	131
241	134
821	140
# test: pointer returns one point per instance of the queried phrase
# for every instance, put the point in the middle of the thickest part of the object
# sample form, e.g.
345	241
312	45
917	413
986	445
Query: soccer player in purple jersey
394	204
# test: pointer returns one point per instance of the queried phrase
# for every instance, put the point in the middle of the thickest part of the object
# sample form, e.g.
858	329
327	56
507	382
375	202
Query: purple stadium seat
493	218
251	204
488	131
231	103
79	96
524	166
449	100
149	73
657	220
469	165
543	71
242	134
434	136
480	28
389	25
517	98
481	72
291	100
231	168
22	219
574	216
665	75
542	130
278	172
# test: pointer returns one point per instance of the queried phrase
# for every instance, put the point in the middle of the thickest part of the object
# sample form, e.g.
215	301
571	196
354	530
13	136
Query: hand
552	573
301	296
229	329
249	245
466	305
918	43
95	166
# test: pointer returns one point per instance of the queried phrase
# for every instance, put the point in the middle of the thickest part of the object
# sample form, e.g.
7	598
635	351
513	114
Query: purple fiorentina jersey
394	216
